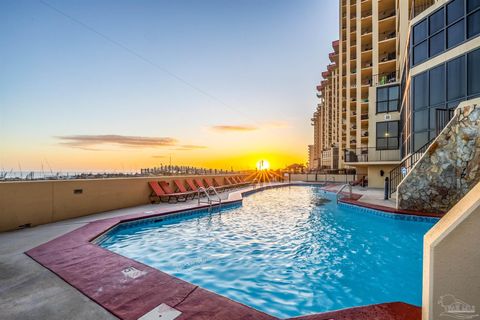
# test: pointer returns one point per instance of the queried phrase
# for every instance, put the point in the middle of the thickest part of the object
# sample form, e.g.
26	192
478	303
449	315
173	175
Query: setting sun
263	165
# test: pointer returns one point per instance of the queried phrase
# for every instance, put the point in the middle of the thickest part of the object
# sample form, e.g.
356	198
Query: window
445	28
387	99
420	52
472	5
420	122
420	91
387	135
473	24
436	21
454	10
437	43
437	85
456	78
455	34
420	32
473	80
419	140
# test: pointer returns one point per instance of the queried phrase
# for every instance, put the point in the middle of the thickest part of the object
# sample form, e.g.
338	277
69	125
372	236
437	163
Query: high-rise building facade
398	70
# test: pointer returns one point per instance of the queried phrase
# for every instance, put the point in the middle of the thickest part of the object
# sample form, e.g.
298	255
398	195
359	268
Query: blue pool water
286	251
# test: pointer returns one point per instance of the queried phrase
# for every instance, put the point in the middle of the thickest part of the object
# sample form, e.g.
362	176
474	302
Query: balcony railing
388	57
384	78
442	117
370	154
386	15
420	6
387	35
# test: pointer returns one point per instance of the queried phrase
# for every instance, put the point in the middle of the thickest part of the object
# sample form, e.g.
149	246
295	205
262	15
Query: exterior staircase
439	174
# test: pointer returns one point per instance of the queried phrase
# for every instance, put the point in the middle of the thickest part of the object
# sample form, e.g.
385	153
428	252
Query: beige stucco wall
452	259
39	202
375	180
375	117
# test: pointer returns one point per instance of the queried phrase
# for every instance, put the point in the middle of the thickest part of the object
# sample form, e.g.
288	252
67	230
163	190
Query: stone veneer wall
449	168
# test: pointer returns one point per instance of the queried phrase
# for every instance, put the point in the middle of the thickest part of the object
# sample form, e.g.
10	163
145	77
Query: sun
263	165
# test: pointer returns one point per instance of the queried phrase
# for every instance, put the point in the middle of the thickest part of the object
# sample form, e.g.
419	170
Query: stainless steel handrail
338	194
207	194
203	190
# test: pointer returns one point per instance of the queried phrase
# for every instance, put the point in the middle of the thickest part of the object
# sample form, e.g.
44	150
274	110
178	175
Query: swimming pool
288	251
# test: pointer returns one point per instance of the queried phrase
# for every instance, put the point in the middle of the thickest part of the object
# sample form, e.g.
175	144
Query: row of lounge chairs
188	189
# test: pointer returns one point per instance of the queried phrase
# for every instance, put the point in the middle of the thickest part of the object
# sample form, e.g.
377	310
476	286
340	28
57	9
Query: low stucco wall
312	177
40	202
451	262
449	168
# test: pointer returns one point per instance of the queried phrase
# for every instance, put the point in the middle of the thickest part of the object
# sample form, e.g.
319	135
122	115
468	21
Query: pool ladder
207	193
339	192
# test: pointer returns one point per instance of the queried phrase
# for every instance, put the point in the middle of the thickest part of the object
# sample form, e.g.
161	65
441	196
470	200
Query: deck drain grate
163	312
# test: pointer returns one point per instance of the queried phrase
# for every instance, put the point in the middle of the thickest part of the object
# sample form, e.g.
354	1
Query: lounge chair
157	195
210	184
178	196
181	188
191	185
199	183
241	181
220	185
233	182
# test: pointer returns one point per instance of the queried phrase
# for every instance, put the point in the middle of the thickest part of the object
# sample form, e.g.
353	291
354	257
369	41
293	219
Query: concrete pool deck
30	291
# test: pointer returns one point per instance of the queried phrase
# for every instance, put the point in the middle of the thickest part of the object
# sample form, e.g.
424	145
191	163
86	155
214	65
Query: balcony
370	154
386	14
387	35
384	78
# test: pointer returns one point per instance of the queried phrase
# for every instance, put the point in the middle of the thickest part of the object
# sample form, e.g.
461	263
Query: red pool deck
97	273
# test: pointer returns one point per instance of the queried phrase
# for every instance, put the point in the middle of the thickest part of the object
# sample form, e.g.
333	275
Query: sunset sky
122	85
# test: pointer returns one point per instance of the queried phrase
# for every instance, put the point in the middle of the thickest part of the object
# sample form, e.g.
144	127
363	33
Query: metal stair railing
399	172
339	192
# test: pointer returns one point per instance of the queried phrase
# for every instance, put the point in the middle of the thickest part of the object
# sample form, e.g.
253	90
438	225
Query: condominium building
398	70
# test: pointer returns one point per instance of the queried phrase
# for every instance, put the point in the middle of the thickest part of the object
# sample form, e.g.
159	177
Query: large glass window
436	21
445	28
387	135
455	34
437	85
473	79
437	43
421	121
442	87
420	139
420	52
473	5
473	24
454	10
456	78
420	32
387	99
420	91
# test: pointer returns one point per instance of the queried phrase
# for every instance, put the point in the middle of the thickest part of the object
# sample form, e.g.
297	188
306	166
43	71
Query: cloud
91	142
233	128
187	147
